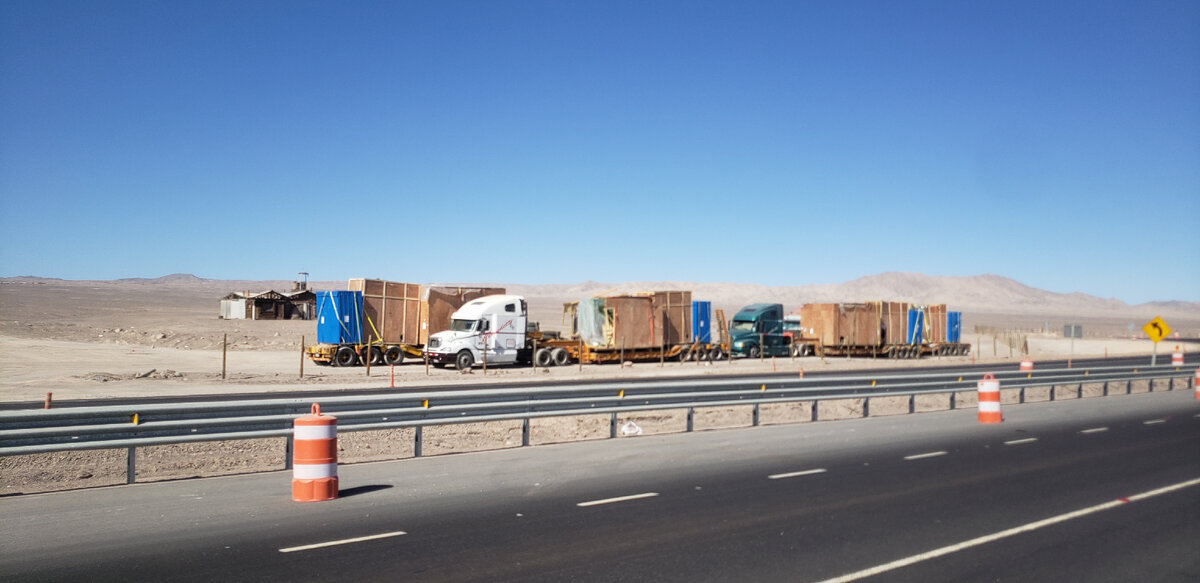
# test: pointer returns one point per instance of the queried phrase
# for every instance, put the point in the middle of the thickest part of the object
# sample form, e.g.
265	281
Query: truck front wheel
464	360
753	351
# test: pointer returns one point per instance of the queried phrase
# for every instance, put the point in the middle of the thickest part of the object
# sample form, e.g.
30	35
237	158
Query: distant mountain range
976	293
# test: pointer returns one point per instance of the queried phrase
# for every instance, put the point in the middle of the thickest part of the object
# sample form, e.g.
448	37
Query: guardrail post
1151	384
525	431
1105	388
912	403
612	426
417	441
1079	392
953	399
289	447
1053	389
1128	386
131	465
755	421
866	407
1022	398
691	419
1171	384
815	406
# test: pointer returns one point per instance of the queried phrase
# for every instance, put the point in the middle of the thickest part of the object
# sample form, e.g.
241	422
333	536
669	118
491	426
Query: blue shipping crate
953	326
339	316
701	321
916	326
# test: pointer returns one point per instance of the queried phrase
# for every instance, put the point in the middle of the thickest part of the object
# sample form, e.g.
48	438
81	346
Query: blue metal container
953	326
916	326
339	317
701	321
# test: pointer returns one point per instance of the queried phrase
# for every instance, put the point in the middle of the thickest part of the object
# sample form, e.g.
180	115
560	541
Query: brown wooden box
438	303
391	310
672	317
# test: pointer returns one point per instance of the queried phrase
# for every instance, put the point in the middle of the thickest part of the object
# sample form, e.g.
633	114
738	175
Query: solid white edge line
346	541
796	474
617	499
1095	430
1020	441
1153	421
921	456
1006	533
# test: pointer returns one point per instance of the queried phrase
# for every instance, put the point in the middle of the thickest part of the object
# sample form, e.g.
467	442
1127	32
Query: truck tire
376	355
345	356
542	357
716	354
560	357
393	355
753	351
464	360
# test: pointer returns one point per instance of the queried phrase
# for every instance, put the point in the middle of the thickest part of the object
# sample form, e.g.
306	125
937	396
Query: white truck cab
495	324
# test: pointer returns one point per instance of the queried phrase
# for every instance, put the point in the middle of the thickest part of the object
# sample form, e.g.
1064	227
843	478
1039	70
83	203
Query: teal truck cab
757	330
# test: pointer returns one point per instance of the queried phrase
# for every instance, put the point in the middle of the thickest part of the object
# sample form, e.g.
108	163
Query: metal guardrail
133	426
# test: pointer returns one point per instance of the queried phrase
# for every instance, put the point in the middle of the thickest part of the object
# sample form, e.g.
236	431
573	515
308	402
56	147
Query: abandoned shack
269	305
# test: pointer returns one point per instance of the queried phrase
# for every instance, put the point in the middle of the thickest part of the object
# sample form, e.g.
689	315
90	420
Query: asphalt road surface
1100	489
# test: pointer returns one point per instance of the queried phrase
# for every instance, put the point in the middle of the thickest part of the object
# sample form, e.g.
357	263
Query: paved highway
1100	489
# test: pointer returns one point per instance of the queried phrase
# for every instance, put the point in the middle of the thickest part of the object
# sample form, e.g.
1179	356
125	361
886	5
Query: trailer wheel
345	356
464	360
375	354
560	357
542	357
716	354
393	355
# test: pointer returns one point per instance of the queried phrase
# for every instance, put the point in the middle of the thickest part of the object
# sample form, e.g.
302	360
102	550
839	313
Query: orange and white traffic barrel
989	400
1026	364
314	457
1177	359
1196	384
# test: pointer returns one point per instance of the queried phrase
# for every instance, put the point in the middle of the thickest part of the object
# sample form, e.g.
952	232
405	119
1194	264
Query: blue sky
778	143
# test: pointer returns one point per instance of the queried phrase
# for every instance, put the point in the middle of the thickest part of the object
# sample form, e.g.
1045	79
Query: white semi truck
496	324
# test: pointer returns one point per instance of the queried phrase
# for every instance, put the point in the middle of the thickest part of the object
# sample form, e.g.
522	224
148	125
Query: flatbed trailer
895	351
561	351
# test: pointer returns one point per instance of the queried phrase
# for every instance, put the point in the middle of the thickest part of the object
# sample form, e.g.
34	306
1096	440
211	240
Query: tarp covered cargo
391	310
438	303
701	321
338	317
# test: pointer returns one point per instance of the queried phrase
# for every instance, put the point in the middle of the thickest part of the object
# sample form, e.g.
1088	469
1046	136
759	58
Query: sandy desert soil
150	338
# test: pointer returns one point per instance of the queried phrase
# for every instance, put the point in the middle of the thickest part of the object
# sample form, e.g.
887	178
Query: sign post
1156	329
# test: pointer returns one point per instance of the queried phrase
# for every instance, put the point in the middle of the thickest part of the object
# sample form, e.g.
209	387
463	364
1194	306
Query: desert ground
163	337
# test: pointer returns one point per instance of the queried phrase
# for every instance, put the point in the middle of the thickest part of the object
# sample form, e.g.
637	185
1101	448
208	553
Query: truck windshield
457	325
743	326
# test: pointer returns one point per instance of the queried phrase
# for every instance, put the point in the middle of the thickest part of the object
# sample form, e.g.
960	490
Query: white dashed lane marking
617	499
1094	430
921	456
796	474
1153	421
1021	441
344	541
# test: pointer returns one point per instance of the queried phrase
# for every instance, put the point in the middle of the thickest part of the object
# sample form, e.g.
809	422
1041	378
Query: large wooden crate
391	310
893	322
935	323
631	323
438	303
820	323
860	325
672	317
